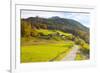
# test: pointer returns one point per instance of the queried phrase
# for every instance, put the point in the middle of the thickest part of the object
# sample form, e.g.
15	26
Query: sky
83	18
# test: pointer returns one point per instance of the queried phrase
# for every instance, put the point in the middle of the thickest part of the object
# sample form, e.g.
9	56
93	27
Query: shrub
85	49
77	41
57	38
34	33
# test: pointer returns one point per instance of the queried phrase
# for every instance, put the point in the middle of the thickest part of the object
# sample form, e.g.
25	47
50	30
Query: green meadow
35	49
45	52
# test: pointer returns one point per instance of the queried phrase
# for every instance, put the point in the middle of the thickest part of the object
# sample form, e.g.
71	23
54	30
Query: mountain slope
57	23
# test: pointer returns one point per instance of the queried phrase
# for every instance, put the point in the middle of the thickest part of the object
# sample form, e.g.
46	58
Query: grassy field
35	49
45	52
46	32
40	49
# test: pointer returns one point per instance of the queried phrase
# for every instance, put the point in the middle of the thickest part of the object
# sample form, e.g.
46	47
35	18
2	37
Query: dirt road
72	54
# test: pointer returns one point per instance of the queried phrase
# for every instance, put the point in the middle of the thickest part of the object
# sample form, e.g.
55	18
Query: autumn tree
25	29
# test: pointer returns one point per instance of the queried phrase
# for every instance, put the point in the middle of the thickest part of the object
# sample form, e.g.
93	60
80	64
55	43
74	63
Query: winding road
72	54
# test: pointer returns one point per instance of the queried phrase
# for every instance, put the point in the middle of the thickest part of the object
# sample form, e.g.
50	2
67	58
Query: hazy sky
81	17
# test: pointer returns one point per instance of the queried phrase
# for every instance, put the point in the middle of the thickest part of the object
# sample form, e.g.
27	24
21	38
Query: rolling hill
56	23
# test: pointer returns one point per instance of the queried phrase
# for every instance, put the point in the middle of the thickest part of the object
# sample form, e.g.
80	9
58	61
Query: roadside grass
79	57
44	52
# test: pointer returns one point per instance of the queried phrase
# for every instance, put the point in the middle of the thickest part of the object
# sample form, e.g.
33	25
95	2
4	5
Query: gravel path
72	54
